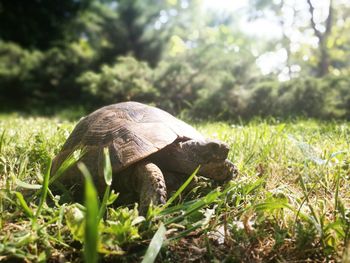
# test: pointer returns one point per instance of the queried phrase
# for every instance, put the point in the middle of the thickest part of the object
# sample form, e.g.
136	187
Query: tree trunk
323	64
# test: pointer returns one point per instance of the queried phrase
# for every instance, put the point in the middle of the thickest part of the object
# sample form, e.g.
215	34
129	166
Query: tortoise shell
132	131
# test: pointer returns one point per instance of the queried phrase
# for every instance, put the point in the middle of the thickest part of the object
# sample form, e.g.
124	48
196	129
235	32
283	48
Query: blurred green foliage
170	54
127	79
39	24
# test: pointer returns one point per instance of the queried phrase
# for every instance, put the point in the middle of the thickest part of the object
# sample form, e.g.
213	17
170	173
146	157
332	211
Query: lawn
290	201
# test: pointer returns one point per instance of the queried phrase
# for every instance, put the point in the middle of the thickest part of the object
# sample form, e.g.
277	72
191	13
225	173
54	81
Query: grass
290	201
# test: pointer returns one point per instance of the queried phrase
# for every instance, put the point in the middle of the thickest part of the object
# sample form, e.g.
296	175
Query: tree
338	43
286	15
300	22
322	36
38	24
140	28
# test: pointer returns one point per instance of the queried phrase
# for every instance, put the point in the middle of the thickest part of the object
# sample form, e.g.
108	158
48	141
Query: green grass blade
104	202
26	185
44	189
186	232
181	189
336	195
72	159
107	172
2	140
107	169
24	205
91	217
272	205
306	194
200	203
155	245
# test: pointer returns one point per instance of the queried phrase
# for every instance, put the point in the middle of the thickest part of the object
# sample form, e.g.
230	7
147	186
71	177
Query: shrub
54	80
177	84
262	99
204	83
338	97
229	101
128	79
40	78
16	65
309	97
302	97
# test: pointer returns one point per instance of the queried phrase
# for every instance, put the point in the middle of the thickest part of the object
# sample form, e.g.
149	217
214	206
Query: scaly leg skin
150	185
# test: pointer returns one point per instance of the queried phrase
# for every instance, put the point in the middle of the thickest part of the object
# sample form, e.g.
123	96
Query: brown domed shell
131	130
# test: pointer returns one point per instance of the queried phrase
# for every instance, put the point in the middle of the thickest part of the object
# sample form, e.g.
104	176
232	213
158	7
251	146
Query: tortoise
151	152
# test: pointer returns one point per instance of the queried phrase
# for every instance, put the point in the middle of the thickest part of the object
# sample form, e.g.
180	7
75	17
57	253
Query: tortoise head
211	156
185	156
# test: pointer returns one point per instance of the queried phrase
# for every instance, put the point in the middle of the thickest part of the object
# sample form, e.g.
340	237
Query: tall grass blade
107	173
71	159
91	217
208	215
2	139
202	202
186	232
155	245
44	189
107	169
181	189
24	205
336	195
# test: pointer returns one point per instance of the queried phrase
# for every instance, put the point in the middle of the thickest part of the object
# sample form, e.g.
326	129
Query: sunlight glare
224	5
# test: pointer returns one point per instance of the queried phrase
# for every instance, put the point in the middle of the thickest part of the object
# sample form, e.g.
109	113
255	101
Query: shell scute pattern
132	131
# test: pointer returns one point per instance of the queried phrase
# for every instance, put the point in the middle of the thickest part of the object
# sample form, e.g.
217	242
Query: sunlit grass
290	201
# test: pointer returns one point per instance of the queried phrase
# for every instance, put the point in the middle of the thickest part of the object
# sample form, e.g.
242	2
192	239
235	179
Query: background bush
34	79
169	54
128	79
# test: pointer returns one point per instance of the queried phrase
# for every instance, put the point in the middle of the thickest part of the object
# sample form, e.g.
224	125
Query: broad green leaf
155	245
75	219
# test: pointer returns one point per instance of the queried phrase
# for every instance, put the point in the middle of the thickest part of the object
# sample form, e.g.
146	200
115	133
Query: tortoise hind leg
150	185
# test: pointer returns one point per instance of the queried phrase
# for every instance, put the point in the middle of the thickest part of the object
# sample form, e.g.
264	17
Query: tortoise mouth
220	171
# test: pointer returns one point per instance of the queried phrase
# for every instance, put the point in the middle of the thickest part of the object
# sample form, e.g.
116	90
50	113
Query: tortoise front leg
150	185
